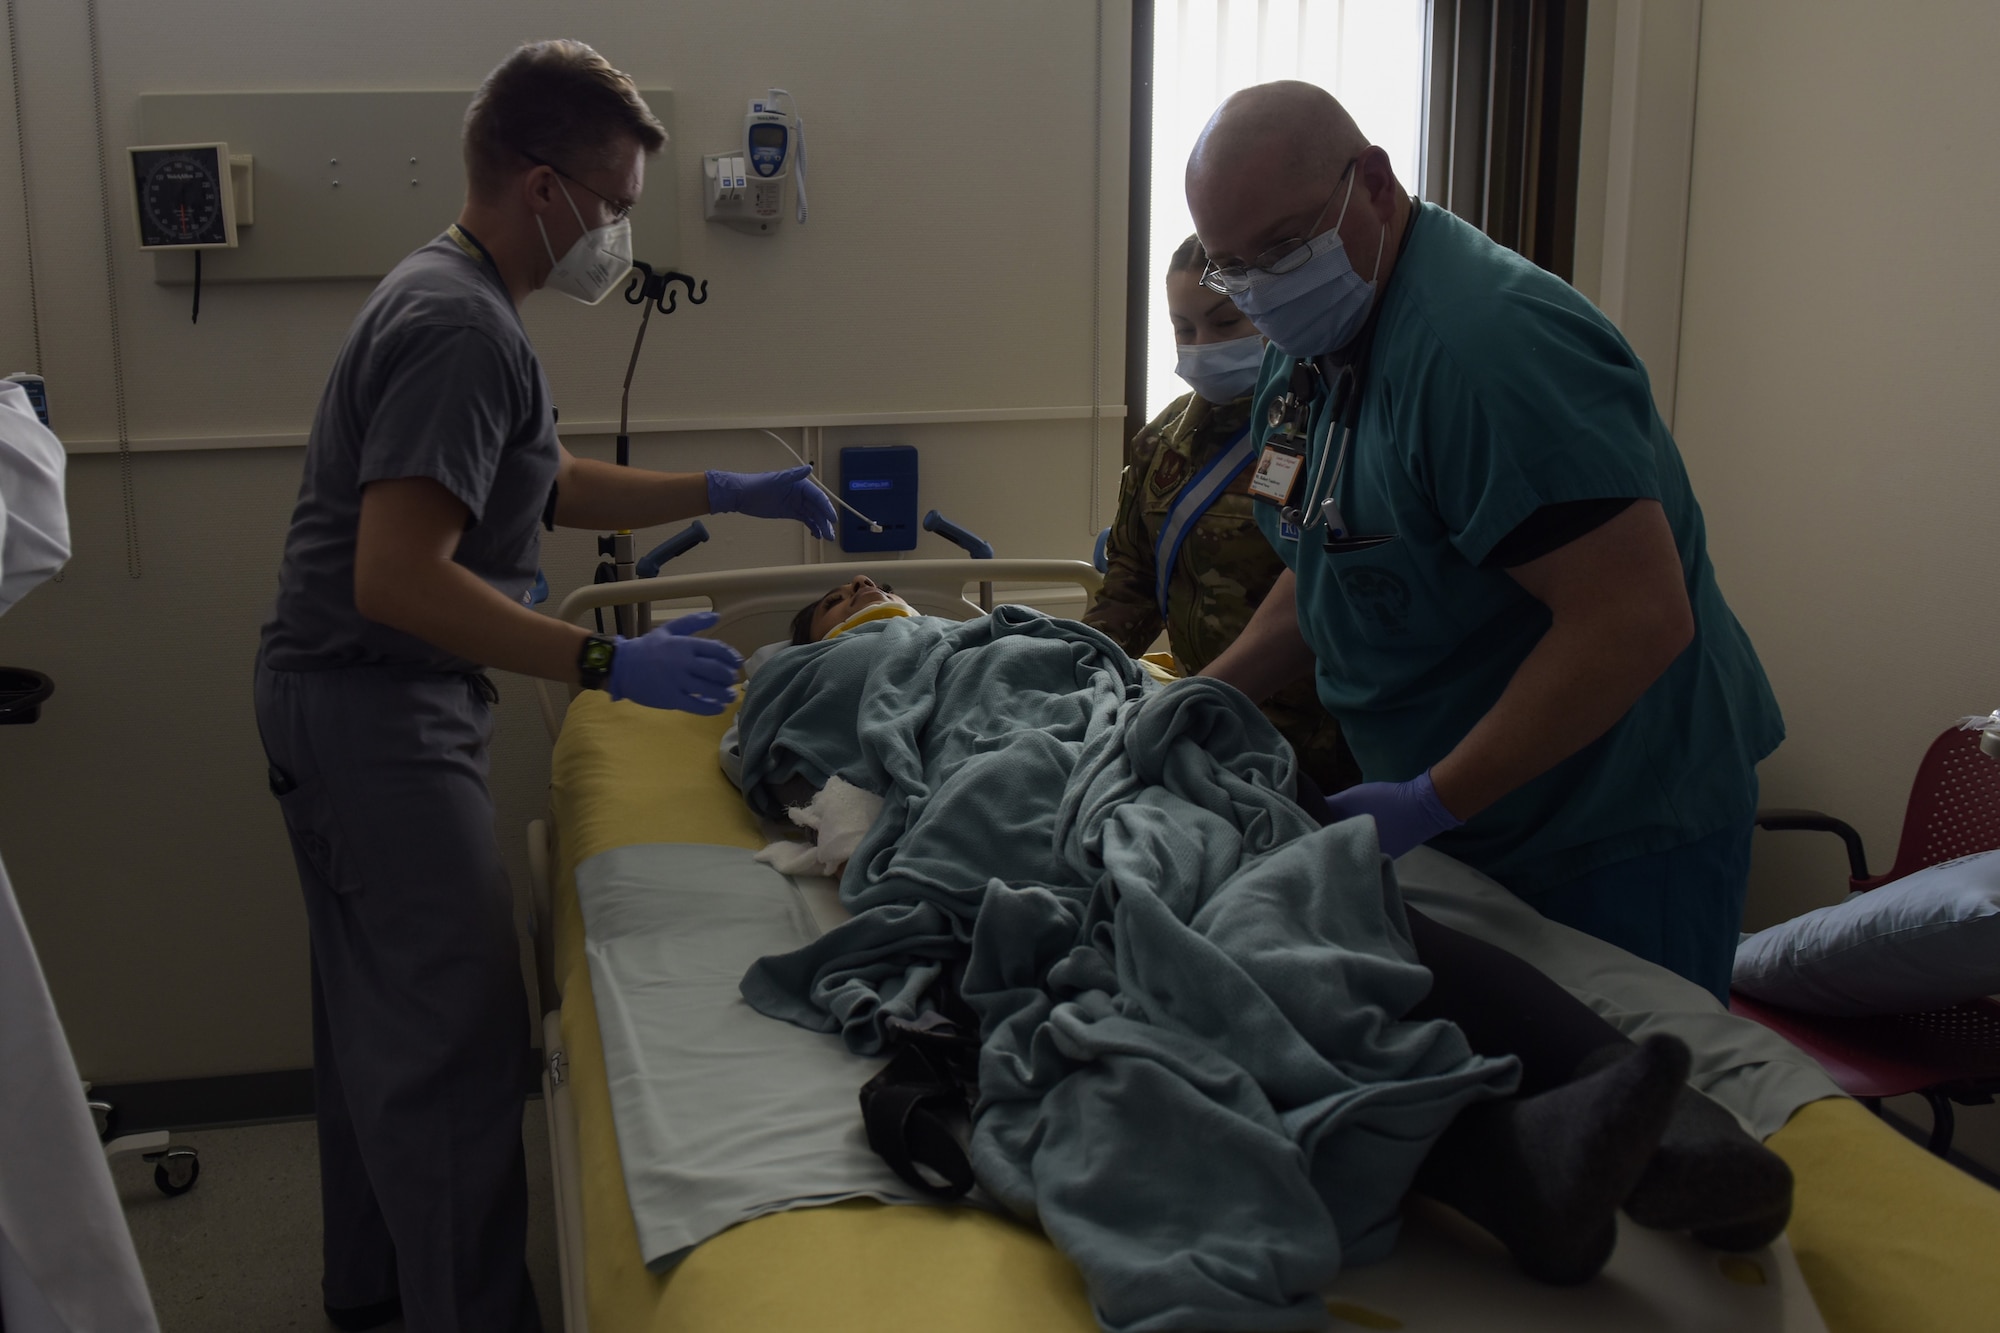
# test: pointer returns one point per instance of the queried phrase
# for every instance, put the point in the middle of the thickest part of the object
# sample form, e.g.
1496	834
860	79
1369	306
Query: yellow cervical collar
879	611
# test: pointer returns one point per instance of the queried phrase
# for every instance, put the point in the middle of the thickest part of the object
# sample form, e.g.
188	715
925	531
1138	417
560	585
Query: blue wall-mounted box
880	481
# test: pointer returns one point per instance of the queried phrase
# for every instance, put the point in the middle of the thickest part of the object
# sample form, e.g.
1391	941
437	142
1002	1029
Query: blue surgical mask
1318	307
1221	372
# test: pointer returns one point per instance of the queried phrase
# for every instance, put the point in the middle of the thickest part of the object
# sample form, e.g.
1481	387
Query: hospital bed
1883	1235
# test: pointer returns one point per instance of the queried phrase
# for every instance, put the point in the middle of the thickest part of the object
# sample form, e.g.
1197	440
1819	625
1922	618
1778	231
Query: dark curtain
1505	99
1140	280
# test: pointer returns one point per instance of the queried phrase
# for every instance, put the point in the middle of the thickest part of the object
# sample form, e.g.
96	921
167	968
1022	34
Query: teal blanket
1193	1069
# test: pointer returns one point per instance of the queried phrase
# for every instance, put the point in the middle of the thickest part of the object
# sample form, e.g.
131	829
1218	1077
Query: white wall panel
150	862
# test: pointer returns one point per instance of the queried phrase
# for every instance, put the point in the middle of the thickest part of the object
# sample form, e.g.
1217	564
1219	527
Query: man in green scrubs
1503	588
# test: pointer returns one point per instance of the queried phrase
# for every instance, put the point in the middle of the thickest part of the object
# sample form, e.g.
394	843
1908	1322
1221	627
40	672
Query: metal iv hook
638	291
655	287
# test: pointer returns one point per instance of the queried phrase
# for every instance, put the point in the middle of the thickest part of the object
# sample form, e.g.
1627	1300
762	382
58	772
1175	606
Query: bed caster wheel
175	1170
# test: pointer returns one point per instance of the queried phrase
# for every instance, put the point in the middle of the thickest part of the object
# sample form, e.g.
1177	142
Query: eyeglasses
1285	256
619	212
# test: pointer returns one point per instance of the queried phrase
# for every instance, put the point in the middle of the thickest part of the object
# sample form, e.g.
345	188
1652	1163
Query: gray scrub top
437	379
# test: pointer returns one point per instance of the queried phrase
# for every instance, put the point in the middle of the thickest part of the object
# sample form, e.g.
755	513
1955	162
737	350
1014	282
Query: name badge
1277	475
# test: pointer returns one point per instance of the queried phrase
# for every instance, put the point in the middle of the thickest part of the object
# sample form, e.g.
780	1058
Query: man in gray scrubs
433	463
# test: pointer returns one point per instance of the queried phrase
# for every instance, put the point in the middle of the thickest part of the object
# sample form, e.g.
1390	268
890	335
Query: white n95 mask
34	525
599	260
1221	372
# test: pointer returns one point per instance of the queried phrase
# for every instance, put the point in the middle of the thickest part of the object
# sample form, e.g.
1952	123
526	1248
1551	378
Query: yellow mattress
1889	1238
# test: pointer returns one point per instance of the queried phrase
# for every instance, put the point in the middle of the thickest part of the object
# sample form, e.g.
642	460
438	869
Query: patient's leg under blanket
1545	1174
1707	1176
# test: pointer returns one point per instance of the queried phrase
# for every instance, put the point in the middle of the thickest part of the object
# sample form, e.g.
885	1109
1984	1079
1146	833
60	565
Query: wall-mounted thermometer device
745	188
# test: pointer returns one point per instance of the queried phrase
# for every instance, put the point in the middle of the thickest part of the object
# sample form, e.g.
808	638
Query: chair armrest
1812	821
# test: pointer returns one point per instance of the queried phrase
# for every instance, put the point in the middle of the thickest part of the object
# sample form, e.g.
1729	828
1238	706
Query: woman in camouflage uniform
1225	566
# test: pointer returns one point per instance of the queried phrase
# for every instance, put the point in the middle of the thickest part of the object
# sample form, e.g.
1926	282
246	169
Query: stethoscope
1291	416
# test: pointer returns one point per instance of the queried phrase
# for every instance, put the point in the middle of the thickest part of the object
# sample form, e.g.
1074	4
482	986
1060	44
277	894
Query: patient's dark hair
802	623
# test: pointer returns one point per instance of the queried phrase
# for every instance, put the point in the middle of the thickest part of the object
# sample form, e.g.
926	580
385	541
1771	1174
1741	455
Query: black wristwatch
593	661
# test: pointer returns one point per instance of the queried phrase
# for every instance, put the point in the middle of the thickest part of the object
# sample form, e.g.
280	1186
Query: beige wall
1837	396
1836	400
149	861
1640	63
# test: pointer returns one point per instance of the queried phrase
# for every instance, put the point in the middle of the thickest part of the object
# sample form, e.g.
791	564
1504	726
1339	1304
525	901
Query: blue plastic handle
689	537
538	594
1101	557
951	532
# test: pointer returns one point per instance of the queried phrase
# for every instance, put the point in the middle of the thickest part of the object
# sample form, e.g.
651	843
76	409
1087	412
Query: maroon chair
1945	1055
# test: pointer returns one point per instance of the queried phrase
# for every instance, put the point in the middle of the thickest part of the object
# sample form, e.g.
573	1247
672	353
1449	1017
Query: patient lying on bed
1213	1047
861	600
855	602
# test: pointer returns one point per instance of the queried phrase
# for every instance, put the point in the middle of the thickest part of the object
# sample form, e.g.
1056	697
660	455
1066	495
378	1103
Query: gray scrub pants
420	1034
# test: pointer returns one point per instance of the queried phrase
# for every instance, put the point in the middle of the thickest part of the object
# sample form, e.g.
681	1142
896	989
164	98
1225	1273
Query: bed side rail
756	605
932	581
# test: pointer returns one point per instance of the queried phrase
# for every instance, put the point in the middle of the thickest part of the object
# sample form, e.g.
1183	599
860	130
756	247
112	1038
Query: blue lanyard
1194	500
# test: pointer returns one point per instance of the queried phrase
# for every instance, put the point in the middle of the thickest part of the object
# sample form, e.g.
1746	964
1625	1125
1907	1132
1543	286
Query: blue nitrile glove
670	668
1407	814
787	494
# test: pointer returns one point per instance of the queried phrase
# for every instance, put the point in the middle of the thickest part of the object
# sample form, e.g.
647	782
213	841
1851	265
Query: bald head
1273	165
1287	129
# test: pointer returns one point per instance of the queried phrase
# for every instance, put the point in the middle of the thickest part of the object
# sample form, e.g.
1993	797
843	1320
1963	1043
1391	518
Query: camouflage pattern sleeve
1125	610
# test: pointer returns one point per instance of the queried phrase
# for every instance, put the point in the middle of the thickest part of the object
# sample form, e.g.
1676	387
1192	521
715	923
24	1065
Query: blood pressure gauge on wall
183	196
190	196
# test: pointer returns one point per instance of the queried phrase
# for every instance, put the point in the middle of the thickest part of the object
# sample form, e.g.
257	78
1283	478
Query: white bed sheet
722	1114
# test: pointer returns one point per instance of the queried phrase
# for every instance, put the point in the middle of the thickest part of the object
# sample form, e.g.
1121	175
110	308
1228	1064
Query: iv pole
647	290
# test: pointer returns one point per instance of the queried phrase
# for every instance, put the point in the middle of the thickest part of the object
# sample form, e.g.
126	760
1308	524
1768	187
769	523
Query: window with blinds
1367	53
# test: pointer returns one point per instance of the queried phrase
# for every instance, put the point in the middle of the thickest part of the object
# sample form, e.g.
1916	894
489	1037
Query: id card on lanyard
1285	476
1303	494
1278	473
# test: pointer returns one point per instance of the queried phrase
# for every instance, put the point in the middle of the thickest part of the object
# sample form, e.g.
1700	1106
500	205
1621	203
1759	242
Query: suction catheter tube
824	489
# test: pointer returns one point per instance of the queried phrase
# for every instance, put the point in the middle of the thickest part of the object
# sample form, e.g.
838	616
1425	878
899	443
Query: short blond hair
556	102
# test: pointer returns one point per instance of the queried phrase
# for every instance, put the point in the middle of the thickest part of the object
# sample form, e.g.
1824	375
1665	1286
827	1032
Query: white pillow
1926	941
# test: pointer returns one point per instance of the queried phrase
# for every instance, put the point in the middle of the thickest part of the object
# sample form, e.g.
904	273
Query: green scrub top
1494	388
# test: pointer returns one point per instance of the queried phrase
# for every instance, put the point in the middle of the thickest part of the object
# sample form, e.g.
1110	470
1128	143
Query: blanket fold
1194	1070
